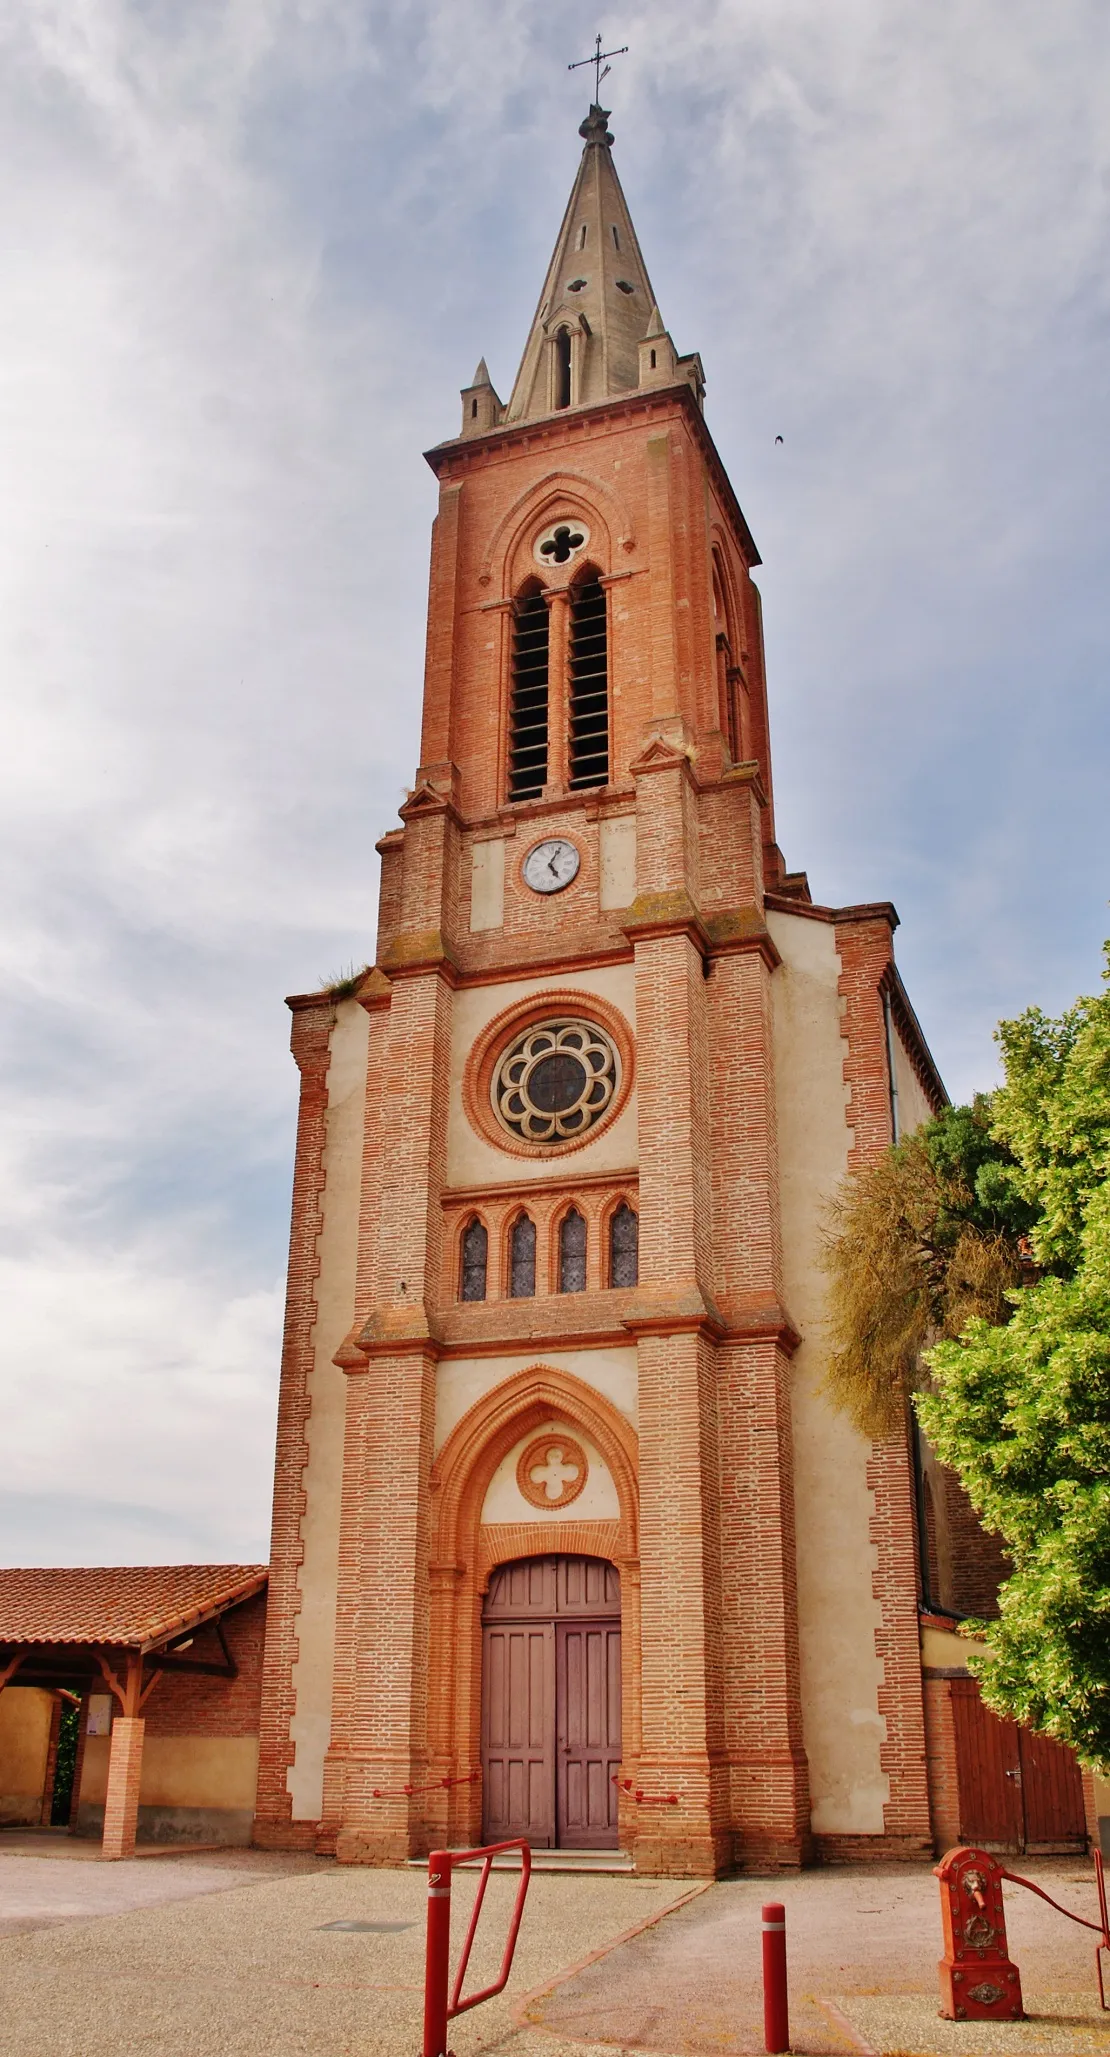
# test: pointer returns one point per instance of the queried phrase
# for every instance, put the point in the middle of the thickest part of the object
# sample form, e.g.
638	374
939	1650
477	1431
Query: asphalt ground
234	1953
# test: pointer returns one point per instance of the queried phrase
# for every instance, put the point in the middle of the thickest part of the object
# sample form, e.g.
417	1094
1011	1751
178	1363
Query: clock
551	865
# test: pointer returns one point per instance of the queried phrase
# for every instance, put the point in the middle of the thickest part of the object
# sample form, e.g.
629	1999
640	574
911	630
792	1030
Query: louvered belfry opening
528	712
589	685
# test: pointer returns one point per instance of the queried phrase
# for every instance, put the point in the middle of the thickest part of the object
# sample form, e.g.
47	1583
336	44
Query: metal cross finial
597	60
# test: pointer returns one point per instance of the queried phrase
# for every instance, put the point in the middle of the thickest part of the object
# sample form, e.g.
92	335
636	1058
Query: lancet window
587	681
562	368
475	1253
528	711
572	1253
522	1258
730	678
624	1246
589	685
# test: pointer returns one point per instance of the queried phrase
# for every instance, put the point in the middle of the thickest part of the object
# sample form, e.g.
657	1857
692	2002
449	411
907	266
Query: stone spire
597	302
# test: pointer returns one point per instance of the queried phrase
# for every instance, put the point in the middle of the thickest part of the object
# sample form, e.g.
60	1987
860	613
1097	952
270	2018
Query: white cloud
253	248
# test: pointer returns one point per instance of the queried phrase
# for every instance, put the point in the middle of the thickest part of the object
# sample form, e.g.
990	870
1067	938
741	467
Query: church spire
597	302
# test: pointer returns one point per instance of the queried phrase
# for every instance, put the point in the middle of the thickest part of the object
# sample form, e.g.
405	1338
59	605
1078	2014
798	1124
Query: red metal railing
442	1997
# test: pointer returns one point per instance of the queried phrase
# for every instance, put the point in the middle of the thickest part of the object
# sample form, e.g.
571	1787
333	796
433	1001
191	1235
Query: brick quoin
681	962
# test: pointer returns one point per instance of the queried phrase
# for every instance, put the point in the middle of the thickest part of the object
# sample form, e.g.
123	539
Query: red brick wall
311	1042
190	1704
713	1650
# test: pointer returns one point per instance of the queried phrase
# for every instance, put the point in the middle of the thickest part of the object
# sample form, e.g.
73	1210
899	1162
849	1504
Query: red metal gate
1017	1790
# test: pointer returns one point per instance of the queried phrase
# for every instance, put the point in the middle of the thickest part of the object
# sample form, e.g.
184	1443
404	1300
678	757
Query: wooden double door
551	1703
1017	1790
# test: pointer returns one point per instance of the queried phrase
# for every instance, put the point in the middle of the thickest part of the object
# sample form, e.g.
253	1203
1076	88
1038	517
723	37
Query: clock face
551	865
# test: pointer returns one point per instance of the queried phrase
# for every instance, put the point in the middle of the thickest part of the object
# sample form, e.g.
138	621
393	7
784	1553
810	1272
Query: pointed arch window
572	1253
562	368
728	673
522	1258
589	685
475	1254
624	1246
528	709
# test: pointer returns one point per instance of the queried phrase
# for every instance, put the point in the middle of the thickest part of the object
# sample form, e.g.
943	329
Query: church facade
568	1543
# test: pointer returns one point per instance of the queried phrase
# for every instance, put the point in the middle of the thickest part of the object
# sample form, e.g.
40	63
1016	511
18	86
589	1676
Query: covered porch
115	1637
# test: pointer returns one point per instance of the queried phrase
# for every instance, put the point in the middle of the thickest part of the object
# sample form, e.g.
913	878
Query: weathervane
597	60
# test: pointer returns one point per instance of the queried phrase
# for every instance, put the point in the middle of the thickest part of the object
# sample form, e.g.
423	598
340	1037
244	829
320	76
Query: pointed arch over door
466	1557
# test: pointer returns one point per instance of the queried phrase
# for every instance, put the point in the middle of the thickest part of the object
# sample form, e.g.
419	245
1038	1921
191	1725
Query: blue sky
254	250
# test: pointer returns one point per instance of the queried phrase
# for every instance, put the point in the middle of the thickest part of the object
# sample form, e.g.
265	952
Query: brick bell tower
561	1158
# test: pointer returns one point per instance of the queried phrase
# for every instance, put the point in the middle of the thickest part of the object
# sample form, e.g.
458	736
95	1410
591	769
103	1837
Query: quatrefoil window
561	542
554	1081
552	1471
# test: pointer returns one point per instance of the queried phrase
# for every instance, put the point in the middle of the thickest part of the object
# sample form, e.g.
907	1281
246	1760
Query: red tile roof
130	1604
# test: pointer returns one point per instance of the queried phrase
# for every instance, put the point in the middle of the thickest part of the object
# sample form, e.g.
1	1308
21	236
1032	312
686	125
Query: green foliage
917	1245
1054	1114
343	985
65	1763
1022	1411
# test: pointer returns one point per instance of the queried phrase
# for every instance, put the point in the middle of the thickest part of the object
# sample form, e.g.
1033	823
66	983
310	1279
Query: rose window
554	1081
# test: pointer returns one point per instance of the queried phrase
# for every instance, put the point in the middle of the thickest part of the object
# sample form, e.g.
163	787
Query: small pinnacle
655	325
481	376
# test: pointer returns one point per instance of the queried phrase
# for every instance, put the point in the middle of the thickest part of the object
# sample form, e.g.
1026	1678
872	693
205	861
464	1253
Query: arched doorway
551	1703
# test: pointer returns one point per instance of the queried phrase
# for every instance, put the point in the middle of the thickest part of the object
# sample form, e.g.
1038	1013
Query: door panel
587	1585
988	1771
526	1587
588	1743
518	1731
1052	1788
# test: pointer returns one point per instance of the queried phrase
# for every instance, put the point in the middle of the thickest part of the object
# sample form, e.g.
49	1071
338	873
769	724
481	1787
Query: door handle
1014	1774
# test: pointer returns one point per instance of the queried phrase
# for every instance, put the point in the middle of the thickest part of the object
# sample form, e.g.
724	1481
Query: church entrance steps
597	1862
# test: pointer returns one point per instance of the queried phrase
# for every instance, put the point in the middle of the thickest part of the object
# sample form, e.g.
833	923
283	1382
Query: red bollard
776	2003
437	1967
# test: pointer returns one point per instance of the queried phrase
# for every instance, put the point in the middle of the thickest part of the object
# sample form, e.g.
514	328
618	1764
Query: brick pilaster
311	1044
125	1771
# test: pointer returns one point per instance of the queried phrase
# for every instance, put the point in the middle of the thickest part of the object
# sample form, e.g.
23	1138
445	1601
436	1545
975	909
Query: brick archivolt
596	1203
563	492
464	1552
494	1425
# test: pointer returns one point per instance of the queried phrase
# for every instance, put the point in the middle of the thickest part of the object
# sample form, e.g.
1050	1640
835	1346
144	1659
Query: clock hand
552	863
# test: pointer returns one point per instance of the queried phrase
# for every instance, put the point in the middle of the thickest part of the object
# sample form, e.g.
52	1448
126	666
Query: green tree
917	1244
1021	1410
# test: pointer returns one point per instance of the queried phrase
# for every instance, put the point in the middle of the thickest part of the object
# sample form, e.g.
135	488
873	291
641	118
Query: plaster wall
310	1727
597	1501
913	1104
487	884
617	860
943	1651
471	1160
25	1717
462	1381
181	1771
840	1672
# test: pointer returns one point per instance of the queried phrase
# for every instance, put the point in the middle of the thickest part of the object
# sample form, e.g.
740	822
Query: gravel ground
219	1956
234	1954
